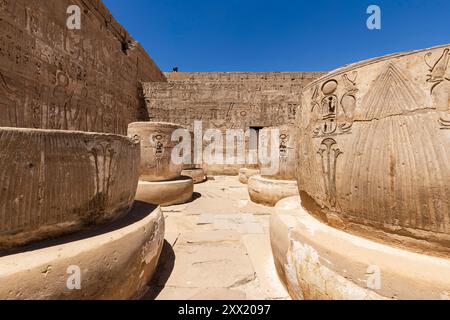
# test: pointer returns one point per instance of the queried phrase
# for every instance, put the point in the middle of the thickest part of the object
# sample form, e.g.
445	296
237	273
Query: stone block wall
55	78
227	101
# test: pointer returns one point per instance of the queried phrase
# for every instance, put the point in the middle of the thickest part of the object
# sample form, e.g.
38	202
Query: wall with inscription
55	78
227	101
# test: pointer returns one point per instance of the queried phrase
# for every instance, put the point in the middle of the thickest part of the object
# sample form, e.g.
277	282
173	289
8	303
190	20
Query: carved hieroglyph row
372	149
55	78
227	101
54	182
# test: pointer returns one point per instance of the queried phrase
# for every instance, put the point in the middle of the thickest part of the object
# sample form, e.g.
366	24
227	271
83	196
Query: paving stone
222	249
251	228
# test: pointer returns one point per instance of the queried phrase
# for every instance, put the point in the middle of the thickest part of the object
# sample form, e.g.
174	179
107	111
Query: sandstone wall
227	101
55	78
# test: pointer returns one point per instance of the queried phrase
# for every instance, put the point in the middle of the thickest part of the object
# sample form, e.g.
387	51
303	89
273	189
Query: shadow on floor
195	196
162	274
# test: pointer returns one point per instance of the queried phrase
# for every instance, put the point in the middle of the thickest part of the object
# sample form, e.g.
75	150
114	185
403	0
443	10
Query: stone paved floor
217	247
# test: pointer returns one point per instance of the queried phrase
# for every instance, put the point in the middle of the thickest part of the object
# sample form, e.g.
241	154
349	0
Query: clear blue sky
278	35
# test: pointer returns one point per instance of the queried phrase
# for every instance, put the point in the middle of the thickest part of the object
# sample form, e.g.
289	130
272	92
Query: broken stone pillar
270	187
156	150
110	262
56	182
373	162
161	181
66	198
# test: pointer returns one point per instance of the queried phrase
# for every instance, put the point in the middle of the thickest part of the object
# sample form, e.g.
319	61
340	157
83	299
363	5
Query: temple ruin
119	181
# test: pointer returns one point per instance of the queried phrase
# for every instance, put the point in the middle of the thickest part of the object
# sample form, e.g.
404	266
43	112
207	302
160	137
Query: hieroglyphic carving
8	103
391	173
333	115
348	101
159	145
439	73
102	156
438	69
55	78
283	146
227	100
329	154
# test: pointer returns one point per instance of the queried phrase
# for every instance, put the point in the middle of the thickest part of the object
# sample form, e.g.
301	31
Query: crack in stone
243	281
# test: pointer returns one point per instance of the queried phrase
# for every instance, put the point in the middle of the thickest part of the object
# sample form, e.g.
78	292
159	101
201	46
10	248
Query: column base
318	262
115	261
166	193
245	174
198	175
268	192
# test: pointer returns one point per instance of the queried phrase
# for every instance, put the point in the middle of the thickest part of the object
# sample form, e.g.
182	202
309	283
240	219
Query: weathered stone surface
116	261
227	101
316	261
189	161
287	153
156	150
197	175
166	193
55	78
53	182
375	147
245	174
269	191
205	263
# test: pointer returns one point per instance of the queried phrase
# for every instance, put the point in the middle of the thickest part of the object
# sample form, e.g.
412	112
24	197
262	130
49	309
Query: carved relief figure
62	99
439	76
8	103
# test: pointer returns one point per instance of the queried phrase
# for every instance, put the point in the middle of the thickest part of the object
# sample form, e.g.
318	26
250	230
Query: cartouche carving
334	114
